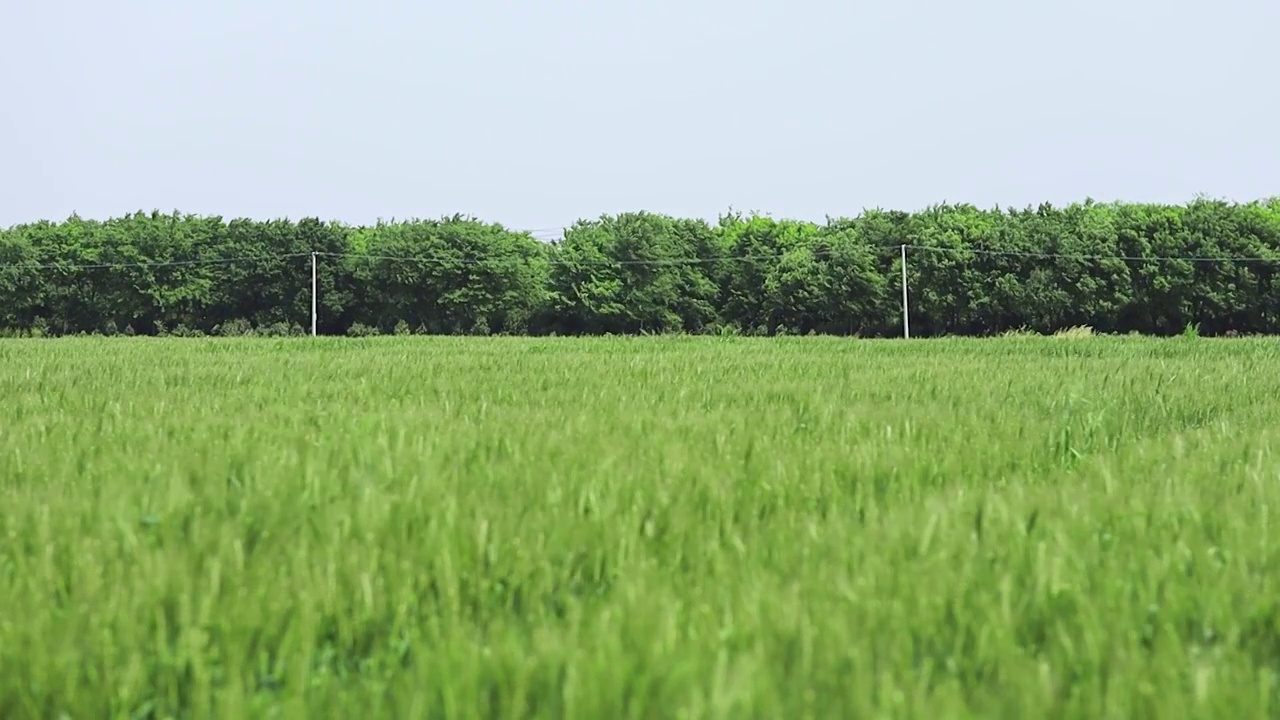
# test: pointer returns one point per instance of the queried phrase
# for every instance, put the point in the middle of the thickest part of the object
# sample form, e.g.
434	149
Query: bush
237	327
275	329
183	331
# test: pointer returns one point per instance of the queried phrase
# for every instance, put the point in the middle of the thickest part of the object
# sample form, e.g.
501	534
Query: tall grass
634	528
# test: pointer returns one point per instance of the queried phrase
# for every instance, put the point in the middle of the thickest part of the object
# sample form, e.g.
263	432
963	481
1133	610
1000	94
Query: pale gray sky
535	114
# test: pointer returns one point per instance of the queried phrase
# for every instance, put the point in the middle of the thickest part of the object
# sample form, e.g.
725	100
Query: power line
1068	256
437	259
588	261
828	252
609	262
150	264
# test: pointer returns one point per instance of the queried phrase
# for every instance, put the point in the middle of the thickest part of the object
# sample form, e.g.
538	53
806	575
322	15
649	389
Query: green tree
632	273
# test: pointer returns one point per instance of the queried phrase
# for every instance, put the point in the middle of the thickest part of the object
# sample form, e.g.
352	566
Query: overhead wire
615	262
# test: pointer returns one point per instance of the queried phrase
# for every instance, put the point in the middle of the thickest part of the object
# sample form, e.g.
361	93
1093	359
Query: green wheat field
779	528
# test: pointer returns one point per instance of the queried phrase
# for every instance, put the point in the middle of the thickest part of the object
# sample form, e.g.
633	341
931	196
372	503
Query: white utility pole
314	295
906	321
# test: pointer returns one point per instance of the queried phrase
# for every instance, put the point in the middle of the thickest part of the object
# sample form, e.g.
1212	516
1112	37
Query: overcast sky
535	114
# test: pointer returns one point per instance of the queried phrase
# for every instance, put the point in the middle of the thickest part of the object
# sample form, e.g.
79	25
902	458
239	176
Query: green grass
617	528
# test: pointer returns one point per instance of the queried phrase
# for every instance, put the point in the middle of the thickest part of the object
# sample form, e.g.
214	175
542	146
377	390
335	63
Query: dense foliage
970	271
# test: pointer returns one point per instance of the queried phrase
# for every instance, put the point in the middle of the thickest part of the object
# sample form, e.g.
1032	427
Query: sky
537	114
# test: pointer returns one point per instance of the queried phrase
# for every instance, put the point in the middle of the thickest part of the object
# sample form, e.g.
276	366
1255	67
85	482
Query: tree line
1118	267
